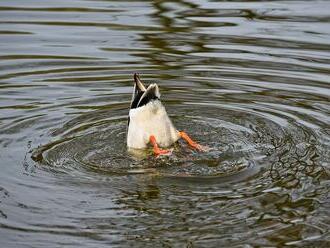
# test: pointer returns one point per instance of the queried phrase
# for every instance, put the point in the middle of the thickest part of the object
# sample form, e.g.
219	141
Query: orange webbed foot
192	143
162	152
157	150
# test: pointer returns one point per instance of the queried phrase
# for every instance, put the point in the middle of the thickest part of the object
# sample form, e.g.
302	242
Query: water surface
250	79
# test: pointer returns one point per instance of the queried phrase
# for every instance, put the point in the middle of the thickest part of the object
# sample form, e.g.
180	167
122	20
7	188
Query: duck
149	123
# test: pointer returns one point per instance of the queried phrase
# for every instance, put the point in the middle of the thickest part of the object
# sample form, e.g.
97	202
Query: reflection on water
249	79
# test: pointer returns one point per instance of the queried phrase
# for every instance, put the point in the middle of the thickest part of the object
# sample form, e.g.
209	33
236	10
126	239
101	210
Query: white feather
150	119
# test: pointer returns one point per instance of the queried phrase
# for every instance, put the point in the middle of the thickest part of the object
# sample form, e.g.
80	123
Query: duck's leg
157	150
192	143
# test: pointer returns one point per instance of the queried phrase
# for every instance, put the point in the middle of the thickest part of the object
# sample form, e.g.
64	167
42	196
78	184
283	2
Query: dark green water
250	79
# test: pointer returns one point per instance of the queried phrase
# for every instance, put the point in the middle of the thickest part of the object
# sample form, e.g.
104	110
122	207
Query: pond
249	79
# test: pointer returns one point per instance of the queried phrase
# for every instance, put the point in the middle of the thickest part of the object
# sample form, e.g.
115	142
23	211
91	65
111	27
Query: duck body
149	123
150	119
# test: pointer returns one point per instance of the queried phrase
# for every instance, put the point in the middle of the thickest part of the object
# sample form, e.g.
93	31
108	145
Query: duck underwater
149	123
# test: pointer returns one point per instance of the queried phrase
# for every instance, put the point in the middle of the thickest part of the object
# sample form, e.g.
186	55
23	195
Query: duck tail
152	93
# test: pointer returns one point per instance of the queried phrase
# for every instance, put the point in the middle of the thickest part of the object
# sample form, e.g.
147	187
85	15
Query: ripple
101	146
243	138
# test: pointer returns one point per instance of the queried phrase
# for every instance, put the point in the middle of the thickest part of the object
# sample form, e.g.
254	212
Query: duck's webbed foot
192	143
157	150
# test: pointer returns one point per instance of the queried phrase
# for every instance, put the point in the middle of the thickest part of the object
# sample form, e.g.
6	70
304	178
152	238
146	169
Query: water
248	79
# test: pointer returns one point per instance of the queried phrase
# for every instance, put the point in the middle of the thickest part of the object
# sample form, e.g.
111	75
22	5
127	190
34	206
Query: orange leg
157	150
191	142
